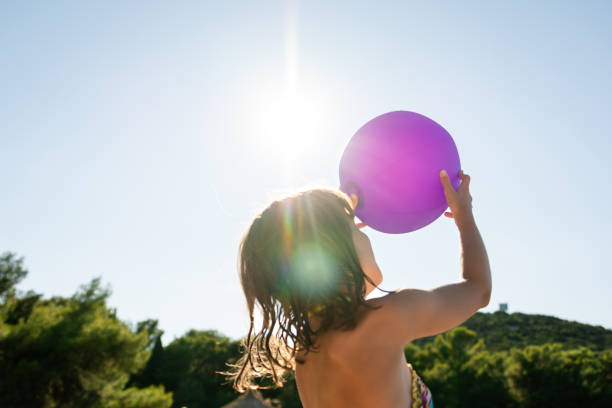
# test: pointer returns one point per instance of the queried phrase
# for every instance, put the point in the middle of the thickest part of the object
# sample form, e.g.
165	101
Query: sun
289	122
290	113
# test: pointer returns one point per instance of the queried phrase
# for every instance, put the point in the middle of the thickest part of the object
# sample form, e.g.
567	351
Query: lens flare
314	271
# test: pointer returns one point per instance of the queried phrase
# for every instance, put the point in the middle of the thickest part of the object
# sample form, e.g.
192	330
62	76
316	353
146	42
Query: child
308	266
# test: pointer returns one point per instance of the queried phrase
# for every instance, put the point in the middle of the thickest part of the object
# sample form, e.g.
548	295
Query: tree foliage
75	352
188	368
462	372
548	376
11	273
502	331
69	352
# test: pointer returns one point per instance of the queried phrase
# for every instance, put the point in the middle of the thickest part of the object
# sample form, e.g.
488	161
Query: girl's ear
354	200
353	197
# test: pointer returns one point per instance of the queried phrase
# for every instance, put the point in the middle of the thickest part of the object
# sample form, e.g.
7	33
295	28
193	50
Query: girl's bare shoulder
373	330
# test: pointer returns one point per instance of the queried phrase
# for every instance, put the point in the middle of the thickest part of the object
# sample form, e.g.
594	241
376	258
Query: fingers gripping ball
393	164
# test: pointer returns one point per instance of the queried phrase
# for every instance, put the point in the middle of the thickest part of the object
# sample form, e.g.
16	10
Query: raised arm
411	313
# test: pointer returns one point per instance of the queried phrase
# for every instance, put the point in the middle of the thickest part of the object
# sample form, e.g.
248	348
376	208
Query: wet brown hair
297	260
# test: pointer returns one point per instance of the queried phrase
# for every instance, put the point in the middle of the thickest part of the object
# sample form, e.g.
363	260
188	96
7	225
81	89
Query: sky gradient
139	141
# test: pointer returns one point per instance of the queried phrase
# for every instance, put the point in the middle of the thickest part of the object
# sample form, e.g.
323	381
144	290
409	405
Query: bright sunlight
289	123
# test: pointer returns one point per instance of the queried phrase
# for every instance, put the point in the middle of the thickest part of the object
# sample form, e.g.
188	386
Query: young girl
308	267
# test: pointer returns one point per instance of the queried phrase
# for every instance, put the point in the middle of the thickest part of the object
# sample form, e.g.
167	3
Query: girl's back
355	369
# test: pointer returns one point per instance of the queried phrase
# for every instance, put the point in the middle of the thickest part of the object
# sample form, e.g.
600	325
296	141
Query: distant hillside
501	331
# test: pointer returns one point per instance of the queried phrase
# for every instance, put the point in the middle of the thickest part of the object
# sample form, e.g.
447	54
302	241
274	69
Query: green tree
460	372
152	373
548	376
189	366
503	331
11	273
153	332
69	352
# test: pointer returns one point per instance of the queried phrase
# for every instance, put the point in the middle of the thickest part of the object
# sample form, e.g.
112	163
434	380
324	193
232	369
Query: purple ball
393	164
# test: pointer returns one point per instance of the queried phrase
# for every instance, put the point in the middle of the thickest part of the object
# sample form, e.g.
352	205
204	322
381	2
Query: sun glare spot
315	271
288	124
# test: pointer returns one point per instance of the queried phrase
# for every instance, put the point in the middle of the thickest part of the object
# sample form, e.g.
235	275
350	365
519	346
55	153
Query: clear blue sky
138	142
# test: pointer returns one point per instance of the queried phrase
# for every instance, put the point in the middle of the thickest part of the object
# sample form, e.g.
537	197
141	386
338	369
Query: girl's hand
354	201
460	200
